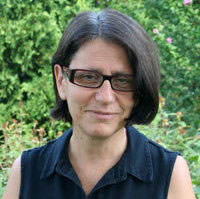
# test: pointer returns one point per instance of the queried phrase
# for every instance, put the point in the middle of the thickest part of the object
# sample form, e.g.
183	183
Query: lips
102	115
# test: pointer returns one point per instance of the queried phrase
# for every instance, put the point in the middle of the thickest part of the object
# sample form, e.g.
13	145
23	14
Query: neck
87	149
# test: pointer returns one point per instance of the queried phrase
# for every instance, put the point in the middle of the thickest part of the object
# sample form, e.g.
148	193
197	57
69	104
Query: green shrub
29	34
170	130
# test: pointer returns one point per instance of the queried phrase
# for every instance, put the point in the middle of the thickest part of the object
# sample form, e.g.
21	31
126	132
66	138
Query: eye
85	77
122	80
88	76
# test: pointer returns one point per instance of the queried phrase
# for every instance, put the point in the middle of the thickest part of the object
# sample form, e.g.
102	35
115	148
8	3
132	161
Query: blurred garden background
29	34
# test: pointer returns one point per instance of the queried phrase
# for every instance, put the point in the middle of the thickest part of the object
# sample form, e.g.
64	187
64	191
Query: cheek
128	103
74	106
77	98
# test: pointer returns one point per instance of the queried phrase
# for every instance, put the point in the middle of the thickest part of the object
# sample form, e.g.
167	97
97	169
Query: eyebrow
116	73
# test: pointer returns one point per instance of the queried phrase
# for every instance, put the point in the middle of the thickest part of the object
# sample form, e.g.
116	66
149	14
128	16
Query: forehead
103	56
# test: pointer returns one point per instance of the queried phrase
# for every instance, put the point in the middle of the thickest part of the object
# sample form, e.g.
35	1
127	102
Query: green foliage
29	35
180	59
18	135
170	130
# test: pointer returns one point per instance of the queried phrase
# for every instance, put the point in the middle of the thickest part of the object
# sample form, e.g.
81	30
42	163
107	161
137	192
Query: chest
90	177
118	188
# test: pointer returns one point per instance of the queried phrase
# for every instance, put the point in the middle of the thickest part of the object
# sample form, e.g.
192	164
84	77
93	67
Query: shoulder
163	161
159	159
13	185
181	184
169	168
32	156
157	150
39	151
154	148
50	148
33	160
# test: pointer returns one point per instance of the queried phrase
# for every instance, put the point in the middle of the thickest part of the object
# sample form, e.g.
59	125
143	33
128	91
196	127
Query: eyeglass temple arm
67	71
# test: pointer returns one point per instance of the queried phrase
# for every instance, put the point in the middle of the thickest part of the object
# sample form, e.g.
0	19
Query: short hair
114	26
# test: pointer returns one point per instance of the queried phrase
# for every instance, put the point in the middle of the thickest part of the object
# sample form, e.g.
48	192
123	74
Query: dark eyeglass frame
70	73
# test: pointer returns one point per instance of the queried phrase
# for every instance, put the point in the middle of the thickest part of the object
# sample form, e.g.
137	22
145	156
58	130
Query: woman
106	78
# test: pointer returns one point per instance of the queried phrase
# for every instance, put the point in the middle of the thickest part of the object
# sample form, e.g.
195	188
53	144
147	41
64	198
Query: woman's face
99	112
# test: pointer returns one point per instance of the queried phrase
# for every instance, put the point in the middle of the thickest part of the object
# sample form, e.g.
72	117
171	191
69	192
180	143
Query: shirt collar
53	152
138	164
139	155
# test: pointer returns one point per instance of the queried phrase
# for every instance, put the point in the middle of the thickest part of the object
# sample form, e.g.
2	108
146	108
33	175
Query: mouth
103	115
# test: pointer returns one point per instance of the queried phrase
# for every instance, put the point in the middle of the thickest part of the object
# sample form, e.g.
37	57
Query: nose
105	93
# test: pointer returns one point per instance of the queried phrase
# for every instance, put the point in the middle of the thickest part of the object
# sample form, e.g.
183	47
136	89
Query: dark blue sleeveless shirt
143	172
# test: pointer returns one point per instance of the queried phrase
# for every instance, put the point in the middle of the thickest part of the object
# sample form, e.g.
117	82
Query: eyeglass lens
87	78
93	80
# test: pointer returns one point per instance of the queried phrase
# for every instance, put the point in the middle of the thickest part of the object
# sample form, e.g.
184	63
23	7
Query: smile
102	115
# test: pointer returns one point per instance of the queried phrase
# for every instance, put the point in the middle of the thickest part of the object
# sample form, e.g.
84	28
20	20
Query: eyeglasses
93	79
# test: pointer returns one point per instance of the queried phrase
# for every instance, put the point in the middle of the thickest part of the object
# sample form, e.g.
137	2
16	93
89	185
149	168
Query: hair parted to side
113	26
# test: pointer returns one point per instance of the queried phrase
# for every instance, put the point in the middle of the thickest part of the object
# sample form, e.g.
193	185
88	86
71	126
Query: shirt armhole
171	166
23	163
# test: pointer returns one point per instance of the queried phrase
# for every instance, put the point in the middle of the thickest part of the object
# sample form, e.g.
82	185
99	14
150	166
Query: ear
60	82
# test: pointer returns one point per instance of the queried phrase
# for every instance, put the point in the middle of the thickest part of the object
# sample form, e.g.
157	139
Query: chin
103	131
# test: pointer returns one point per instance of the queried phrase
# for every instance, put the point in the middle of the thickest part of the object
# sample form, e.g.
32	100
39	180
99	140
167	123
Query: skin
98	122
181	183
13	185
85	104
